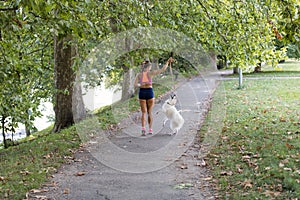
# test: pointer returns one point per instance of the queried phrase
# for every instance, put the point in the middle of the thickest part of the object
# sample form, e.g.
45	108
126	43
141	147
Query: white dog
172	114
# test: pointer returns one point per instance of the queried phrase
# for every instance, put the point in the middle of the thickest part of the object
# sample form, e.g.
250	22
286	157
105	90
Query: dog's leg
174	132
165	121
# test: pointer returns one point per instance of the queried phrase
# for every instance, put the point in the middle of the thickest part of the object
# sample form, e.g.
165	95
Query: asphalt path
127	166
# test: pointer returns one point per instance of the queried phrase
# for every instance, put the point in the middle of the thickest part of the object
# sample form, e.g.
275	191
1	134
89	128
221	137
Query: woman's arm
164	68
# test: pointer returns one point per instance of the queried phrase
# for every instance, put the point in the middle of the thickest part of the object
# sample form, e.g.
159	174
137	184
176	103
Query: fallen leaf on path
183	186
202	163
66	191
80	174
207	178
184	166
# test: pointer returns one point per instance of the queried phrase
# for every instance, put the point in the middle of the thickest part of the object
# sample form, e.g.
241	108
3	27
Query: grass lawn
31	163
258	151
289	68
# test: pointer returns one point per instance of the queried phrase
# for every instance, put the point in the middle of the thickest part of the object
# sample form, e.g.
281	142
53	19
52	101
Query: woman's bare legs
143	104
150	104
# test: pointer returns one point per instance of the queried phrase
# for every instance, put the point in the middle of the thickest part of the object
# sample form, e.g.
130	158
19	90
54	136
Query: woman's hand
170	60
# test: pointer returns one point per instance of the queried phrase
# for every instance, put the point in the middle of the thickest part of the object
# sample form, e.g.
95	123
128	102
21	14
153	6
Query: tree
68	23
238	30
25	71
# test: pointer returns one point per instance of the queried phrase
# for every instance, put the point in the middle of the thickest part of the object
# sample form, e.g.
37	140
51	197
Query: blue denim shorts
146	93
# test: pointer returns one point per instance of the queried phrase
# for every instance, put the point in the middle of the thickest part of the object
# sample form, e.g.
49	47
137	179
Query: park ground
256	155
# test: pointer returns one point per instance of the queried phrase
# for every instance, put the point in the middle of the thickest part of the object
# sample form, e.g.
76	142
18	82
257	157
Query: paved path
127	166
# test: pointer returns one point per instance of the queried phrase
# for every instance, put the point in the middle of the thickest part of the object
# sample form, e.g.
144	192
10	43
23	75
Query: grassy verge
30	164
258	151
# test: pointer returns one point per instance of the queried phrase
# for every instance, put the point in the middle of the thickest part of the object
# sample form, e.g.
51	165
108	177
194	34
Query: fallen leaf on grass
224	173
247	184
271	193
287	169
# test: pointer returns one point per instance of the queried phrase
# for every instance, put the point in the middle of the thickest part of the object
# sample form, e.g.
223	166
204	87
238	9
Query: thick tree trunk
64	75
128	87
128	76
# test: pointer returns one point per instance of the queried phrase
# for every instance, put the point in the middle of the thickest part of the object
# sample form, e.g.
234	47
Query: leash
172	75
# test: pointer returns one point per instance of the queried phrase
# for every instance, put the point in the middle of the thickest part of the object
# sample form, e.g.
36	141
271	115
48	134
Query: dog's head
172	100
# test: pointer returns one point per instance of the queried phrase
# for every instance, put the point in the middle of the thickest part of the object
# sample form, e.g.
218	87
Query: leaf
202	163
184	166
247	184
225	173
80	174
289	146
183	186
271	193
38	191
66	191
207	178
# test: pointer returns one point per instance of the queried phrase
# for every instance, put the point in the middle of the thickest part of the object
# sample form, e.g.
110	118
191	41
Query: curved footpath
127	166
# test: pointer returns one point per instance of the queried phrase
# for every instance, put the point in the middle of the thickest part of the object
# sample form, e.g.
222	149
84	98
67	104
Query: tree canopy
244	31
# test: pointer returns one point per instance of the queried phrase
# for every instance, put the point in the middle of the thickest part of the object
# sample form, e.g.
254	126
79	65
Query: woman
146	95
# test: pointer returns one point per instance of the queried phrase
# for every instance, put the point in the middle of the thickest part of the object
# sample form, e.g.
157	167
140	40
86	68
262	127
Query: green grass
287	66
258	151
290	68
29	164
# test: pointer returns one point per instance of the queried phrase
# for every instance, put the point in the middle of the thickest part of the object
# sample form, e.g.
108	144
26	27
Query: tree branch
40	49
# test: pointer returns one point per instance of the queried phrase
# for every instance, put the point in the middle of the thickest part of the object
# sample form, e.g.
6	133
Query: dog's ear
173	95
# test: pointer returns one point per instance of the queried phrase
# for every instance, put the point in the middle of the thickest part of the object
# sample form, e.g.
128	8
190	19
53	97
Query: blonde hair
146	64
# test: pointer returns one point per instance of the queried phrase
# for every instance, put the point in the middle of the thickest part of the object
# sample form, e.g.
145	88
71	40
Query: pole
240	78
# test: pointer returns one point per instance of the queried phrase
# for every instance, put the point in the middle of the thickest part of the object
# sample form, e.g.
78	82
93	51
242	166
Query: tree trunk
213	59
257	68
79	112
3	131
64	76
127	86
235	70
128	76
